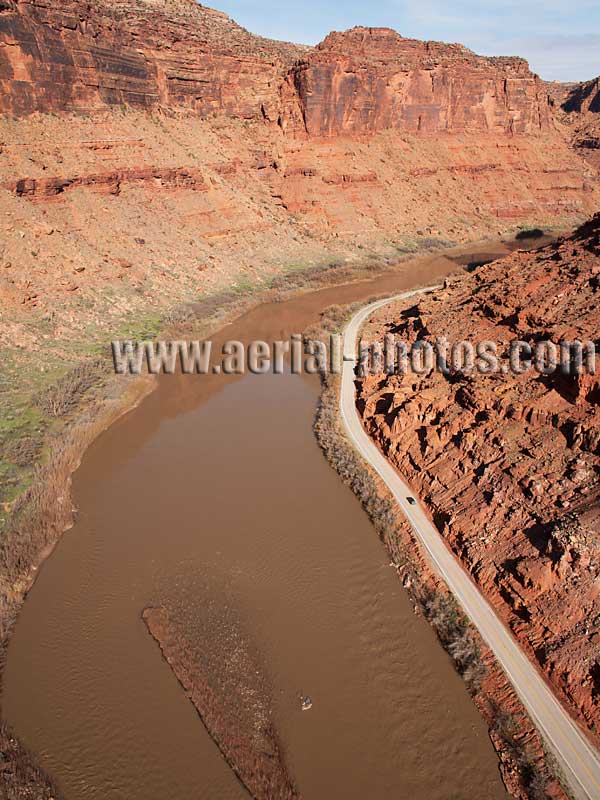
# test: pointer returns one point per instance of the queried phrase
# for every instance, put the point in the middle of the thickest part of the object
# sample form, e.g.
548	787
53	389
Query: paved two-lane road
579	761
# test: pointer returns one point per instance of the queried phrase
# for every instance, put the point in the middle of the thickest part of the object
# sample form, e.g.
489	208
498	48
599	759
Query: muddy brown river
214	490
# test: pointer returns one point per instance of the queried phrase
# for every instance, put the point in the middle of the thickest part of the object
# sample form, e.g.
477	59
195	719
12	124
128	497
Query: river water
214	491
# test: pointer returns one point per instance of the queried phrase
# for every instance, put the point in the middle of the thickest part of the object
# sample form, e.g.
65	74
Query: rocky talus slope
509	465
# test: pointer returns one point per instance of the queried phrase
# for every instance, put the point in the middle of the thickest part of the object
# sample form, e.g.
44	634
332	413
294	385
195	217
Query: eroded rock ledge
509	466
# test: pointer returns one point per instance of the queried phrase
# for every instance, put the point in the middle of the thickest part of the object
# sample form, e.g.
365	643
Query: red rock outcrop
155	153
87	54
163	136
578	105
109	182
369	79
181	55
583	98
468	138
509	465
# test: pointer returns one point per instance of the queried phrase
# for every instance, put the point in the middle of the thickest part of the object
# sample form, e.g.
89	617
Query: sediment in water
217	667
45	511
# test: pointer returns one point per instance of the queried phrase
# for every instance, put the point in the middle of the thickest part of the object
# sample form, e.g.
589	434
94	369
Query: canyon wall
235	157
579	108
370	79
152	153
583	98
177	54
509	465
181	55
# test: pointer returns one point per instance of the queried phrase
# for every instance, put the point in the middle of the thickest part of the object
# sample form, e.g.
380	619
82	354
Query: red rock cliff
178	54
509	465
409	144
140	53
579	107
368	79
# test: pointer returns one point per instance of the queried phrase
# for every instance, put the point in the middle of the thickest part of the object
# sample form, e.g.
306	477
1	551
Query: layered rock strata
509	465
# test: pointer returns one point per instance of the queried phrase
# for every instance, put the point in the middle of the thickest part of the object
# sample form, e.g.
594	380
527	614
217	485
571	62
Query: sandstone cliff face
155	152
509	466
584	98
492	132
87	55
583	109
578	106
369	79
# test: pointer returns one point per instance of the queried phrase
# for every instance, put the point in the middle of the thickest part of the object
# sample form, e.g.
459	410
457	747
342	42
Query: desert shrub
332	320
21	776
433	243
62	397
181	315
214	304
347	463
456	635
21	451
210	311
332	273
532	775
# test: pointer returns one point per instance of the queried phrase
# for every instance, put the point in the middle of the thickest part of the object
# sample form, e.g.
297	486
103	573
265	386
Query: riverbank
65	414
69	413
81	404
528	771
46	511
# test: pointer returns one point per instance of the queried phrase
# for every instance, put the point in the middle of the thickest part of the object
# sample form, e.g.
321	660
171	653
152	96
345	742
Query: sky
560	39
